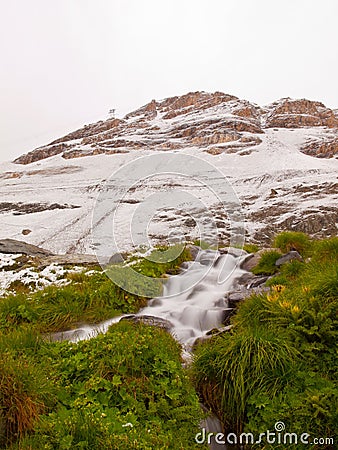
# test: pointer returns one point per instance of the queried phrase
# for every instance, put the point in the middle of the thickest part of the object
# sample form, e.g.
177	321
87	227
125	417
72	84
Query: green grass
93	298
266	264
251	248
280	361
125	389
293	240
55	308
26	393
326	250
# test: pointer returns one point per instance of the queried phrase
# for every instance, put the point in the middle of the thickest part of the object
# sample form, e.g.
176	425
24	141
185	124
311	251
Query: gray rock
116	258
249	262
237	251
245	279
190	222
234	298
291	256
257	281
226	315
210	334
253	259
217	331
150	320
14	246
208	258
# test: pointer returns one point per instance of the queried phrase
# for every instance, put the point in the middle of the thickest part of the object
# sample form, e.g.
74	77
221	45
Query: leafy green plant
125	389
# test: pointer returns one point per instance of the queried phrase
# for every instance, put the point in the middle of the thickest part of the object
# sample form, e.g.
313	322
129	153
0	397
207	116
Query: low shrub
244	363
251	248
293	240
24	395
266	264
326	250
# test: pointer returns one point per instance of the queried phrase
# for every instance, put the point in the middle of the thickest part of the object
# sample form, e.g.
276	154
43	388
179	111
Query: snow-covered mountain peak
280	159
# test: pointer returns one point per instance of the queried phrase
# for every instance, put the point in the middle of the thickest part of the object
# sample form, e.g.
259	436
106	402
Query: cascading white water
193	301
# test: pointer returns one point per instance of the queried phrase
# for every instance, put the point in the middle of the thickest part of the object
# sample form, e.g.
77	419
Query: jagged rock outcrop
290	113
90	130
325	147
216	122
42	153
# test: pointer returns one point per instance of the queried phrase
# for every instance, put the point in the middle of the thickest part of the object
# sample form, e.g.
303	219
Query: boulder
210	334
237	252
226	315
194	250
250	262
117	258
13	246
150	320
234	298
253	259
190	222
257	281
291	256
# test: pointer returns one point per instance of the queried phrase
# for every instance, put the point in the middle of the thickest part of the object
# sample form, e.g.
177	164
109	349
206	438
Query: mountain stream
193	303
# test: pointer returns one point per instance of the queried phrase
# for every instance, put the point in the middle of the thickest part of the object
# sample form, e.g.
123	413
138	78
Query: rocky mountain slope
281	160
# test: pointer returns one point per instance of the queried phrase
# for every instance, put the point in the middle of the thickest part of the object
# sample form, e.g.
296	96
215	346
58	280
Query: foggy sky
65	63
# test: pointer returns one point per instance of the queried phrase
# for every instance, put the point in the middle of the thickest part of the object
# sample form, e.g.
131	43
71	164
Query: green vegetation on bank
90	298
266	264
280	361
250	248
122	390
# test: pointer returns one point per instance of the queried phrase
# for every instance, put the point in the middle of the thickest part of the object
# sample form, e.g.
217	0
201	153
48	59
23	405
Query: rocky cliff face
217	123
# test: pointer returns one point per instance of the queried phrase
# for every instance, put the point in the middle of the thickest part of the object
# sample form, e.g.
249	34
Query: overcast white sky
65	63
